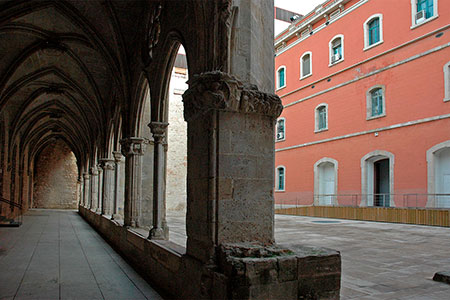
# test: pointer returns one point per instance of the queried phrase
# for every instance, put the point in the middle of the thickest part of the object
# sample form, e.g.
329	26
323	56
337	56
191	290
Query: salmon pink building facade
365	86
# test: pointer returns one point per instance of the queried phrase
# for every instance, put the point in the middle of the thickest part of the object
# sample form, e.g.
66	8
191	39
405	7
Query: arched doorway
377	179
325	182
55	176
438	159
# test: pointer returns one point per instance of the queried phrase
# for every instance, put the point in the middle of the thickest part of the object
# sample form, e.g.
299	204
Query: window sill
376	117
373	45
335	63
424	22
446	99
320	130
279	191
306	76
280	140
280	88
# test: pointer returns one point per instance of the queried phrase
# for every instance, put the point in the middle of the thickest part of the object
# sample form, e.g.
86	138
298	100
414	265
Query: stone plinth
442	277
255	272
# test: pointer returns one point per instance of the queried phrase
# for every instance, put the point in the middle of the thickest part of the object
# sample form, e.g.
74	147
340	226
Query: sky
299	6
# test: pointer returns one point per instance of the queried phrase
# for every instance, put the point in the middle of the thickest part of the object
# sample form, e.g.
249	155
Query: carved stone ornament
154	29
132	146
158	130
94	171
221	91
117	156
107	163
86	176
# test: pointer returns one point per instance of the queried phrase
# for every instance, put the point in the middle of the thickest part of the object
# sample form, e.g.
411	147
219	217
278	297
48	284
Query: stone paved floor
55	254
379	260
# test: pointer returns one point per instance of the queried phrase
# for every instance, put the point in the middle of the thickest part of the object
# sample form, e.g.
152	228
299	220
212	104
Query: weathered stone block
442	277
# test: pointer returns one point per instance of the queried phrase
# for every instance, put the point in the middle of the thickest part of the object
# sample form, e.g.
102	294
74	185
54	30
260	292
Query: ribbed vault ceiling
63	67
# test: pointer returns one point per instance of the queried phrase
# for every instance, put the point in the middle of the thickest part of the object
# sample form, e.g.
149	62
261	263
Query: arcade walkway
55	254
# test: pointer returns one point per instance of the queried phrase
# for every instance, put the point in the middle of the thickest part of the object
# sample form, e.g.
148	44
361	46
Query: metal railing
409	200
13	205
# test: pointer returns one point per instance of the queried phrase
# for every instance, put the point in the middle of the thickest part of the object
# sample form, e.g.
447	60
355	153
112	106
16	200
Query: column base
116	217
156	234
276	272
98	211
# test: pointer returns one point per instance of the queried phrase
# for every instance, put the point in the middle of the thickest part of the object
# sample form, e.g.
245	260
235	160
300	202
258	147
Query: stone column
86	186
230	163
132	149
79	191
158	232
99	190
94	189
116	197
108	185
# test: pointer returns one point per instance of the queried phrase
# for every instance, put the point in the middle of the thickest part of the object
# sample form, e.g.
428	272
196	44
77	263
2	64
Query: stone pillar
117	197
158	232
99	190
79	191
132	149
86	186
230	205
108	185
94	189
230	163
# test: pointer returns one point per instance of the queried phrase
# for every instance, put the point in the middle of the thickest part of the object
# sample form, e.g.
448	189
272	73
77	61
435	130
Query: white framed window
423	11
281	77
447	82
281	179
281	130
336	46
306	65
373	31
376	102
321	117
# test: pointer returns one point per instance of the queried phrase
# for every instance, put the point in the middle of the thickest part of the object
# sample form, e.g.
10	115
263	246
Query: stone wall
177	144
55	180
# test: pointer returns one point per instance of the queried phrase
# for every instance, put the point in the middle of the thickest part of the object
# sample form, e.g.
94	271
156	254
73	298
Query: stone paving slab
55	254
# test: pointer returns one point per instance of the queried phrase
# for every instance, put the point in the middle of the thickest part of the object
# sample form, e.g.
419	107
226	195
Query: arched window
423	11
376	102
281	129
336	46
306	65
447	82
281	77
281	177
373	31
321	117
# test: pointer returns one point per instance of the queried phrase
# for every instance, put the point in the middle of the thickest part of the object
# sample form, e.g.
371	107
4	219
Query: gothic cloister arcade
92	77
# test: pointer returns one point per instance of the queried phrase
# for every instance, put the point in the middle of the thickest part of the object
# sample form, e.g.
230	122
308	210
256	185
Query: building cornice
308	22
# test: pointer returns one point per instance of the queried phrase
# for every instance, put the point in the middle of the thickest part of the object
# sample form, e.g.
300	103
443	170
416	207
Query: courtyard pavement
55	254
379	260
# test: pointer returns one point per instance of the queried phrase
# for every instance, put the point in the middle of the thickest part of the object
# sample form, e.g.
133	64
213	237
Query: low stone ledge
443	276
279	272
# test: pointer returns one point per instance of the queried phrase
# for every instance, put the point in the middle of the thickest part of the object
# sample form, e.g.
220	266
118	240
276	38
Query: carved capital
158	130
94	171
107	164
221	91
133	146
117	156
86	176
